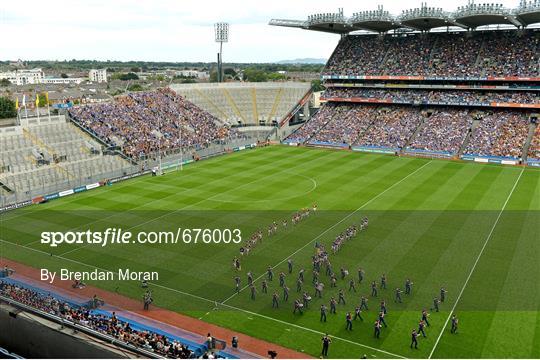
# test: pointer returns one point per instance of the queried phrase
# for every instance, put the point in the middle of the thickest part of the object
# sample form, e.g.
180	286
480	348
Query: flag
47	97
17	103
37	100
24	100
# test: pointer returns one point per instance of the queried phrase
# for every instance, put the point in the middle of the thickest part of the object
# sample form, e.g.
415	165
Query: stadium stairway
532	129
275	106
233	105
319	129
465	143
100	141
416	132
217	110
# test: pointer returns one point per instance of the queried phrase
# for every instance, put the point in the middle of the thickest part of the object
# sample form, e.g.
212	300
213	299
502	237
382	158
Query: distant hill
303	61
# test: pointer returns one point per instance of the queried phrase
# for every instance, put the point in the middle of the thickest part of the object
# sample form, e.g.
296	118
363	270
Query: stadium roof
423	18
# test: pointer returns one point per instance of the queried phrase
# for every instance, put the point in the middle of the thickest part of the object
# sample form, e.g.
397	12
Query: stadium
398	219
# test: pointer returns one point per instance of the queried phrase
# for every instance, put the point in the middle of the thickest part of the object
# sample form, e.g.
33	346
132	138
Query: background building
98	75
23	77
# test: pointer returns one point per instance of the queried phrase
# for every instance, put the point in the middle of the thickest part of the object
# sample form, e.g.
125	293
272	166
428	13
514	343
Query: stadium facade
431	83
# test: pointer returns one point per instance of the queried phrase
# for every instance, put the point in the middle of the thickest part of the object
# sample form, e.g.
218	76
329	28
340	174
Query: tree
64	76
5	82
42	100
316	85
7	108
135	69
230	72
277	76
254	75
135	87
125	77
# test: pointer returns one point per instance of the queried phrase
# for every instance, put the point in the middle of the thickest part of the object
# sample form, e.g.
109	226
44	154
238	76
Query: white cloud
172	30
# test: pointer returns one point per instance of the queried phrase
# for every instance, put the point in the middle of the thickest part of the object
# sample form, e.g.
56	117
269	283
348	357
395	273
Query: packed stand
392	127
534	148
480	54
145	122
345	59
450	97
349	122
443	131
109	325
500	133
317	122
454	55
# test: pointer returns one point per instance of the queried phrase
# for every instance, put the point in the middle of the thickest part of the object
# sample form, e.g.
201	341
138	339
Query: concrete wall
34	337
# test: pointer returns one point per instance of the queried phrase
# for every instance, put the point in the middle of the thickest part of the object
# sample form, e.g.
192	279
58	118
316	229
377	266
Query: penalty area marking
474	265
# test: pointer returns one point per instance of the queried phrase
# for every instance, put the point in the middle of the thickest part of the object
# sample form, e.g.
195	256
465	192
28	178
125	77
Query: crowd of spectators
392	127
109	325
500	133
349	122
355	124
318	121
143	123
443	131
450	97
534	148
477	54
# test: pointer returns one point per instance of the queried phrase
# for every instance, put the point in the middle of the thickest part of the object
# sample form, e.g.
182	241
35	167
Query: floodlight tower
222	35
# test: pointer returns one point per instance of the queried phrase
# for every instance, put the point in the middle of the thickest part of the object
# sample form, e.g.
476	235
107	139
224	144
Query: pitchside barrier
491	159
534	162
328	144
429	153
375	149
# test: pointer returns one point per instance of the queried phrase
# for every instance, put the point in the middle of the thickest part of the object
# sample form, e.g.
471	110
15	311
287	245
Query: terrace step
416	132
475	123
532	128
5	187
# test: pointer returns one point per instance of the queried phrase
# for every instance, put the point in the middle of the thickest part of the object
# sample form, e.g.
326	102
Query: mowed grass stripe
395	243
501	305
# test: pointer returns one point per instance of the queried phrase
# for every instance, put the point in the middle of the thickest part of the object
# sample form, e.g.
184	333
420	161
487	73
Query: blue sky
173	30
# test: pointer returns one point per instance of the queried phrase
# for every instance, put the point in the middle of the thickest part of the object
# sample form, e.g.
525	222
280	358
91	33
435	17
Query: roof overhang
475	20
426	23
331	27
376	25
529	17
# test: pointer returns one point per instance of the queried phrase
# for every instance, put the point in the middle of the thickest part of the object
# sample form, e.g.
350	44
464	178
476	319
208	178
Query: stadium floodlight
221	30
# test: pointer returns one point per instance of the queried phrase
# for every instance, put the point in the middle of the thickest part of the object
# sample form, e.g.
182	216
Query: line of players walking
320	260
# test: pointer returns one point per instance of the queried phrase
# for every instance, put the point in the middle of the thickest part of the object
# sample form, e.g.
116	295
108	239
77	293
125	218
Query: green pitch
471	228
